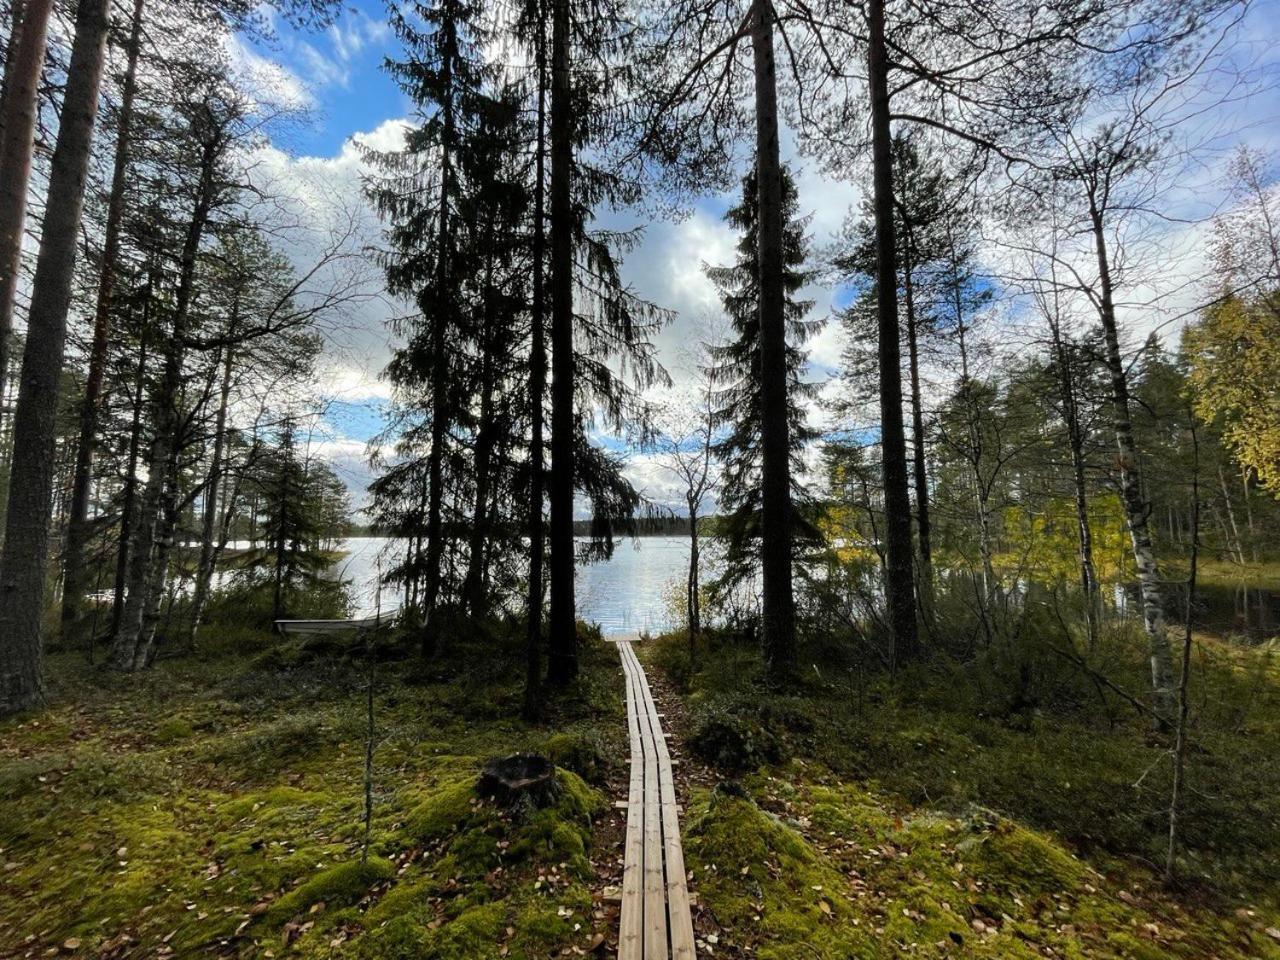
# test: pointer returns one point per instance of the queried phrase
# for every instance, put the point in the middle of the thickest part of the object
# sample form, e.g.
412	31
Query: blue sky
338	73
341	68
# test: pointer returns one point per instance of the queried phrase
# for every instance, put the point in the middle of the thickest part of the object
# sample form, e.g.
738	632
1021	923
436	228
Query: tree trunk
148	546
282	534
26	546
1075	439
440	362
562	663
209	515
1180	727
10	49
1135	505
21	96
537	388
1248	512
899	581
984	544
1237	547
474	585
695	608
920	472
128	509
777	633
73	553
157	577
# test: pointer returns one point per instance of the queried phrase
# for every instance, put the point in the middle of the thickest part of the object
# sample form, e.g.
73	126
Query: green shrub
731	738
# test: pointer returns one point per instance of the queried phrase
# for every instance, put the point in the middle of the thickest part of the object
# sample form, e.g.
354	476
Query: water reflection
1237	609
626	594
634	590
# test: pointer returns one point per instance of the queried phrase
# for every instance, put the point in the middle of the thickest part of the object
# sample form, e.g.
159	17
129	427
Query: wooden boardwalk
655	922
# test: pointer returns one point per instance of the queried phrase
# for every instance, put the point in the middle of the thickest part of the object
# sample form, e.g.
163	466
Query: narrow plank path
655	923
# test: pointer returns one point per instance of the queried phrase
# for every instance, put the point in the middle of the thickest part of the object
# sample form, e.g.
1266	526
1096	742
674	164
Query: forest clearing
653	479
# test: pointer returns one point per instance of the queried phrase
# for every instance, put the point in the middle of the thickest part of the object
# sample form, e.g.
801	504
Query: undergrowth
990	805
215	804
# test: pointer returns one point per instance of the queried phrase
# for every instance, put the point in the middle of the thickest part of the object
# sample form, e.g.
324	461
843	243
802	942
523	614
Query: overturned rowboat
314	627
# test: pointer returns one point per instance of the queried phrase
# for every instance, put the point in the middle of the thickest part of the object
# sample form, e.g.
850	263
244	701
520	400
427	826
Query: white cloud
268	80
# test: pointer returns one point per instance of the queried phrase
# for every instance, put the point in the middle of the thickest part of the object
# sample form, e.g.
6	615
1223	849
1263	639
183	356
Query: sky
337	75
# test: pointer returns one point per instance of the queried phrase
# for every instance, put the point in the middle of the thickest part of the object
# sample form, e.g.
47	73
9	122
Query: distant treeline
650	526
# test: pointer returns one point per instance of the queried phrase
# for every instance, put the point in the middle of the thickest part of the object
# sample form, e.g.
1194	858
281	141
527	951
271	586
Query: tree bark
562	662
21	95
537	389
474	584
695	606
73	553
209	515
920	471
899	581
149	544
129	502
1135	505
26	546
777	633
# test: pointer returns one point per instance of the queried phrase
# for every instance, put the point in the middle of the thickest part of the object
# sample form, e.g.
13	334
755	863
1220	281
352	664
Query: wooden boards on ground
656	923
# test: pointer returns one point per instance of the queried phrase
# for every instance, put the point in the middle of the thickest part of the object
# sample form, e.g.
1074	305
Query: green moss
341	885
581	751
796	865
1024	862
763	880
174	730
447	806
240	808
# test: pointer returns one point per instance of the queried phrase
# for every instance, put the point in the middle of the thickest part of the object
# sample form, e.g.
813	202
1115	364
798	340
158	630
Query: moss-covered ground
937	814
214	806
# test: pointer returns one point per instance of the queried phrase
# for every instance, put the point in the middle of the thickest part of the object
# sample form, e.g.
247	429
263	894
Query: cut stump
519	779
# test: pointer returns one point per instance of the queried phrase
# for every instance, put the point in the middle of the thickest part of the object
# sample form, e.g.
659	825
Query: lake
625	594
630	592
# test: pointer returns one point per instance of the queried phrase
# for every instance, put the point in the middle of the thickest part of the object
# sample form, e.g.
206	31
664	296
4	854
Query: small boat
334	626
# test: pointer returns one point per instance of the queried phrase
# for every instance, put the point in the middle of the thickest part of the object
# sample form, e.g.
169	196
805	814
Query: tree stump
518	780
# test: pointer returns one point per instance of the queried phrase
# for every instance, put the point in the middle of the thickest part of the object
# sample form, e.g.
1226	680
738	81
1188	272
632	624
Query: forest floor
213	806
931	817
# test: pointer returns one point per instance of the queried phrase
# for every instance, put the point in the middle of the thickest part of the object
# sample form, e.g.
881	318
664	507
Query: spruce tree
418	192
738	396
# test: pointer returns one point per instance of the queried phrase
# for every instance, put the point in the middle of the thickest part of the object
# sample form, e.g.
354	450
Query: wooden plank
630	924
663	902
655	899
655	913
680	922
679	916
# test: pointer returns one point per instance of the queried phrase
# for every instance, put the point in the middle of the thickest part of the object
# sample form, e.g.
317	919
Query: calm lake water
631	592
625	594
